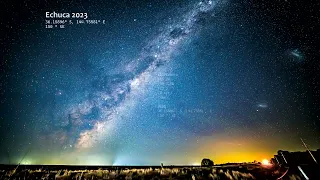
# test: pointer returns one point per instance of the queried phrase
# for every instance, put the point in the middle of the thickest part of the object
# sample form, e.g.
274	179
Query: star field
161	81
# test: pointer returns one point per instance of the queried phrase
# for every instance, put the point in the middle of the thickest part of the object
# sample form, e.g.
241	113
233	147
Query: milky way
95	118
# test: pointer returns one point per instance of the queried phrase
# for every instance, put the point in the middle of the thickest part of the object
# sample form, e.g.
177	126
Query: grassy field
247	171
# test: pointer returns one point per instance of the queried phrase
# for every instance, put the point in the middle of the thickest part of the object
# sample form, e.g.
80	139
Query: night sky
168	81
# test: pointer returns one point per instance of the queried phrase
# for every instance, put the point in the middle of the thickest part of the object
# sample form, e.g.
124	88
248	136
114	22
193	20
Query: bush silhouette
207	162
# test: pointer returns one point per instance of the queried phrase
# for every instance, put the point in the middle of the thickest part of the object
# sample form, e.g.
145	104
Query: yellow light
196	164
26	161
265	162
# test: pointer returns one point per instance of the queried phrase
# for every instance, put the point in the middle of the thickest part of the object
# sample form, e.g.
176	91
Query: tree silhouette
207	162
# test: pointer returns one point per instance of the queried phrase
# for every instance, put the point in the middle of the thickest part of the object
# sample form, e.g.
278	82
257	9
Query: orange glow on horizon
233	149
265	162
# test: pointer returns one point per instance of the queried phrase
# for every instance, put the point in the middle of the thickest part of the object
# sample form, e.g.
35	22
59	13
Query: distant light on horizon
196	164
265	162
26	161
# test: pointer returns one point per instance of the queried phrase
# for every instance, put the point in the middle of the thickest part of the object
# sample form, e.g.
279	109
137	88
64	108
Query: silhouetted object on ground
295	158
206	162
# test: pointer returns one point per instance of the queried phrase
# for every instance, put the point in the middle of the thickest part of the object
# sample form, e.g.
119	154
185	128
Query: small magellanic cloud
262	105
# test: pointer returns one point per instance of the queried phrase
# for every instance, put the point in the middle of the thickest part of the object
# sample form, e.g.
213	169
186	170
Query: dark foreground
244	171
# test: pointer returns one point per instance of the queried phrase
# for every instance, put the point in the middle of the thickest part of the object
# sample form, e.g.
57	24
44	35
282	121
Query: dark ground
244	171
